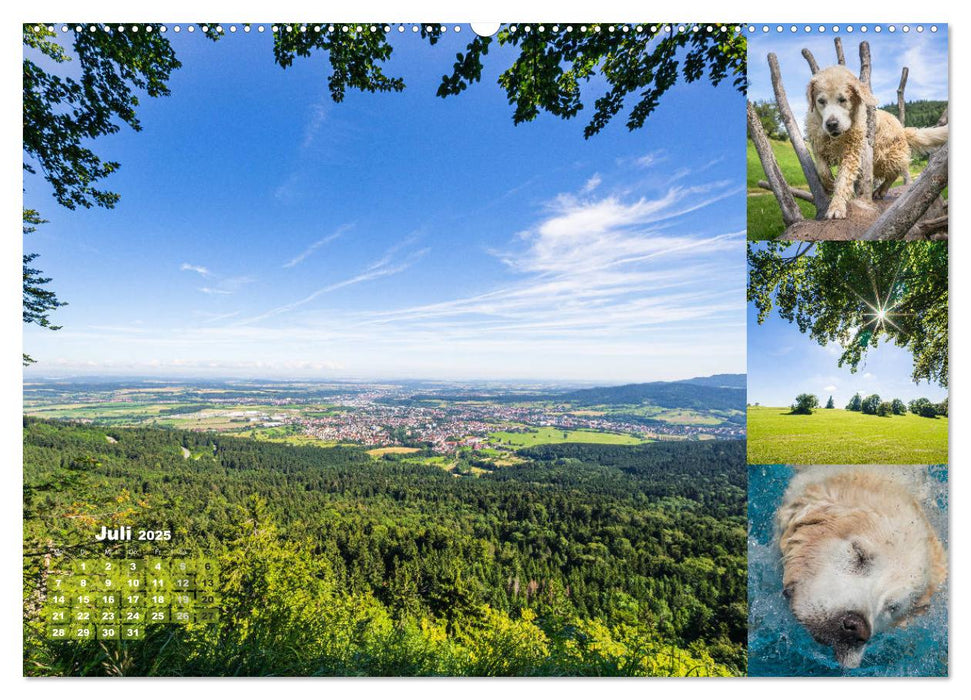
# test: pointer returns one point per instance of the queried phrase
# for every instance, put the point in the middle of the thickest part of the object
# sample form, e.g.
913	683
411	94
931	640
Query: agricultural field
836	436
556	436
475	429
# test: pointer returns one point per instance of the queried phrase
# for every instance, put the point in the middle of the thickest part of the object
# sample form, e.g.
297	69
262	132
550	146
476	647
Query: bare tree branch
797	193
820	198
790	210
866	163
902	111
840	58
811	60
901	216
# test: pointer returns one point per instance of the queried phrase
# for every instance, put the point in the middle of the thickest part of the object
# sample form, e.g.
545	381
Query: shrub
898	407
923	407
830	404
855	404
805	403
942	408
885	409
870	404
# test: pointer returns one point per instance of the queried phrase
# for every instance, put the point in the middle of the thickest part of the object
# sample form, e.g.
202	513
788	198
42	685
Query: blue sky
782	363
265	231
924	53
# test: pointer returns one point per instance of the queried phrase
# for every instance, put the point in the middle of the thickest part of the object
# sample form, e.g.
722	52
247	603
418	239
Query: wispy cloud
389	264
597	265
592	184
204	271
652	158
312	248
317	117
213	290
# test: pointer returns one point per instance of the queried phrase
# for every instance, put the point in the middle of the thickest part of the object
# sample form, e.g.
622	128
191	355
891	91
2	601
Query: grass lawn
836	436
555	436
764	215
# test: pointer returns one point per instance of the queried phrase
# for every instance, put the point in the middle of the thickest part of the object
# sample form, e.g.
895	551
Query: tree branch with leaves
857	294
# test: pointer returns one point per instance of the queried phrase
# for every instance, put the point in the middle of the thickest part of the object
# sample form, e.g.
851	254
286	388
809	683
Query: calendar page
525	349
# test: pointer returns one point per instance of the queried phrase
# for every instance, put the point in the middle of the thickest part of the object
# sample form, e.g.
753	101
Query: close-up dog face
859	557
835	95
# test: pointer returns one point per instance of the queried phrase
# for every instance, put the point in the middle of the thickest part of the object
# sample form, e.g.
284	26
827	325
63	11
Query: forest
581	560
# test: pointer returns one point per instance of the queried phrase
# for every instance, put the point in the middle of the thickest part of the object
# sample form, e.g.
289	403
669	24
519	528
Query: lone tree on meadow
898	407
856	403
914	210
830	404
805	403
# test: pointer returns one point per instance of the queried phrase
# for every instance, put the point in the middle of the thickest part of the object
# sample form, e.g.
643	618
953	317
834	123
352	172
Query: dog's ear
811	94
863	93
937	573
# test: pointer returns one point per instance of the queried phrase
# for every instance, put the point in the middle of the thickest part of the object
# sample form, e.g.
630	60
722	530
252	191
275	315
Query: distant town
487	424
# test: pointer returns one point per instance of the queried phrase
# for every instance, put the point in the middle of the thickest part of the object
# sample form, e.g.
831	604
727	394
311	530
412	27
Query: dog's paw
837	210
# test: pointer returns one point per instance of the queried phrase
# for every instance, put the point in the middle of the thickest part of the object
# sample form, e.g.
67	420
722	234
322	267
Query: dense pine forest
582	560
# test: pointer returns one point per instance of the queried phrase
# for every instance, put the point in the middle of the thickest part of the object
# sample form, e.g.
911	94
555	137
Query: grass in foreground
764	216
836	436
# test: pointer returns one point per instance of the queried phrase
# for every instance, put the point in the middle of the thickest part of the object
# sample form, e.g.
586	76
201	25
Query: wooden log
902	110
866	162
901	103
796	192
811	60
777	183
903	214
840	58
820	198
928	226
943	120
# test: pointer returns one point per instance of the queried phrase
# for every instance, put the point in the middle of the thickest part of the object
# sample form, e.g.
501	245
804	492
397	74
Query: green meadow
764	215
836	436
555	436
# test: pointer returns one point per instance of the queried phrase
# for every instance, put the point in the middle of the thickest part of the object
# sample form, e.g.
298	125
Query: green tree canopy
856	294
551	67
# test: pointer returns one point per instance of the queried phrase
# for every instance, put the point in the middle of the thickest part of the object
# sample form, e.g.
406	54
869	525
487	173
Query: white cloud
652	158
309	250
831	388
593	183
204	271
389	264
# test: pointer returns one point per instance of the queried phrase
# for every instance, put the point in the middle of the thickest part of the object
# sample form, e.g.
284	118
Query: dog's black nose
853	629
832	125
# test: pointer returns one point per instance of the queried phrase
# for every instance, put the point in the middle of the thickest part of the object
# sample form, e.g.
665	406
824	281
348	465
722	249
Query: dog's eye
861	559
893	608
821	101
841	99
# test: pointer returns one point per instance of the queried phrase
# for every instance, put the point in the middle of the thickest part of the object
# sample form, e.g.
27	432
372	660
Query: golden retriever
858	552
836	131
